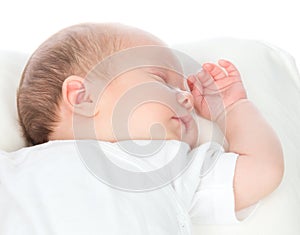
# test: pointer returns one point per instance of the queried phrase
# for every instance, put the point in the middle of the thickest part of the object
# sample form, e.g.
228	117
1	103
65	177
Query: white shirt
51	189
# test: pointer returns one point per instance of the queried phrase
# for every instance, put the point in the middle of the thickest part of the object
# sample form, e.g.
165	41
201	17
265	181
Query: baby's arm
219	95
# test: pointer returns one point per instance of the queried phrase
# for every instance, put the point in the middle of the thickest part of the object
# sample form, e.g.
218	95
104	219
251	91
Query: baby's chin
189	135
173	130
169	136
180	132
183	136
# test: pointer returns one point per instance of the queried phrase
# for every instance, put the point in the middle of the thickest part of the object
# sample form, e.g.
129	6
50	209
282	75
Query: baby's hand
215	88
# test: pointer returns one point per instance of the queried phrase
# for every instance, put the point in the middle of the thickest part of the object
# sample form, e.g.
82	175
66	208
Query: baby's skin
215	89
216	93
219	95
86	111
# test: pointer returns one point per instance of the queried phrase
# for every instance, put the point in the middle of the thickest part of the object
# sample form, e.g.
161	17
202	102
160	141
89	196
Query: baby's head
60	98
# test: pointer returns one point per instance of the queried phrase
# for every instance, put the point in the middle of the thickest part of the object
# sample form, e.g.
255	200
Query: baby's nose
185	98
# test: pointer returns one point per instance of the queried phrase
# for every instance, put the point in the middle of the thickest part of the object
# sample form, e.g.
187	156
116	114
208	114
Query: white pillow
11	66
273	84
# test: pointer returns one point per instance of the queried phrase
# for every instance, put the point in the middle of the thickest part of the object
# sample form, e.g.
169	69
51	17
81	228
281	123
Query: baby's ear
76	97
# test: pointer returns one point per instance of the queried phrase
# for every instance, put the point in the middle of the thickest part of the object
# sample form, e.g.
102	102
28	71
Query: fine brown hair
71	51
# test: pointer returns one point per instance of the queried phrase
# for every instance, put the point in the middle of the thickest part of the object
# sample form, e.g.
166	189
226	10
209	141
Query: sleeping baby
115	145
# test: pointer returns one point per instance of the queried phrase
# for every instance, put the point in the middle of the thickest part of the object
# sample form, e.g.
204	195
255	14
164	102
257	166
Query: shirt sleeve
208	187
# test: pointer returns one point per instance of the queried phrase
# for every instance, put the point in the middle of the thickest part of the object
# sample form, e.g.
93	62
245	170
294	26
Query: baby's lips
188	122
186	119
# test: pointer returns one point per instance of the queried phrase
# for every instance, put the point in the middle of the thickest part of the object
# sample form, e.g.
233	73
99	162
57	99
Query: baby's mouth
185	120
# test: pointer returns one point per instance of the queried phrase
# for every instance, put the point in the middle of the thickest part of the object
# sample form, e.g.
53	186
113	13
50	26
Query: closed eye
158	78
160	75
162	80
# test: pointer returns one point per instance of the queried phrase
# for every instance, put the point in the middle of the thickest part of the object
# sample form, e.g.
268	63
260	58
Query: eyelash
163	78
160	79
160	76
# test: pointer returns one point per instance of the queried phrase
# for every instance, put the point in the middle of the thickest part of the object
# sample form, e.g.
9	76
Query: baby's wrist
220	119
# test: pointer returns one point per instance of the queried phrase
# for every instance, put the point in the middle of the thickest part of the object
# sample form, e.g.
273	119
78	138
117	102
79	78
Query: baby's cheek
149	121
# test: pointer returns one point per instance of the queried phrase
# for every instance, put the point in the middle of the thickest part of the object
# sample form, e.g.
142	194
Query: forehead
151	59
138	57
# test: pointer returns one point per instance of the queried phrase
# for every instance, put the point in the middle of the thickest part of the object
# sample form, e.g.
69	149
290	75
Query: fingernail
207	67
191	78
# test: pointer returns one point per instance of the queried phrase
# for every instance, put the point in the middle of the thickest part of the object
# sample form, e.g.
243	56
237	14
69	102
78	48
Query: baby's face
146	103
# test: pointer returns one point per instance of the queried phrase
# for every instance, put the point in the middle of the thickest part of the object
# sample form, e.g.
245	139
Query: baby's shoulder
40	154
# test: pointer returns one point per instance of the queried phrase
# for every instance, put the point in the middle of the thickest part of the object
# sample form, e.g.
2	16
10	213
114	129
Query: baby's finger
190	82
215	71
205	78
230	68
194	84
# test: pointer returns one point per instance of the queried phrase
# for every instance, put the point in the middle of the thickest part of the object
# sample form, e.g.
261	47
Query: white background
25	24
